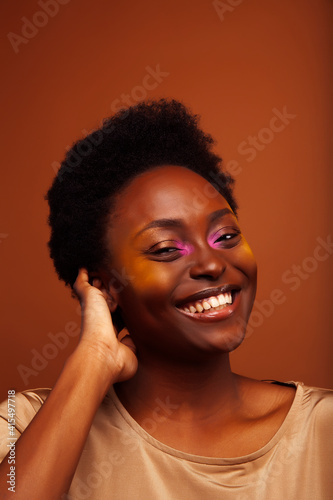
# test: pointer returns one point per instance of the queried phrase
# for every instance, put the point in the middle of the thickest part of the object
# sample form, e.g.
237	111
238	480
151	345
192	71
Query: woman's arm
48	451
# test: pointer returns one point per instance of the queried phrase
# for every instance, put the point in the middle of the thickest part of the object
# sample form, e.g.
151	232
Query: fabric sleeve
26	406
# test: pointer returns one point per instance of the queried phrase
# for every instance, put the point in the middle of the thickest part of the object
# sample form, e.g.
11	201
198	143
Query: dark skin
184	358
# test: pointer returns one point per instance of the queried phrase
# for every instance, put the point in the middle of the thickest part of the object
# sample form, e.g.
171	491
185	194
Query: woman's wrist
95	363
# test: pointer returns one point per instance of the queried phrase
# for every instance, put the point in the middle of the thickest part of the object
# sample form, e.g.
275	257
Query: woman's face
183	274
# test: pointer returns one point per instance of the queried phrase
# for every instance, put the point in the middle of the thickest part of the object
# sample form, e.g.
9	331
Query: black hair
98	167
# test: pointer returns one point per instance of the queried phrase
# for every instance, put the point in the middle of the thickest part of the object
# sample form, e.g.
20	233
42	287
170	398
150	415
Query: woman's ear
102	281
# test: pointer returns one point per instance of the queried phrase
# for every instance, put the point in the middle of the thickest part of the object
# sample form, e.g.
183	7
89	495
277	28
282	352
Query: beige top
122	461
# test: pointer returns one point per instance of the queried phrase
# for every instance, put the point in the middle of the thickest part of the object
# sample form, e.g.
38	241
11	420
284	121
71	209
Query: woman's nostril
208	267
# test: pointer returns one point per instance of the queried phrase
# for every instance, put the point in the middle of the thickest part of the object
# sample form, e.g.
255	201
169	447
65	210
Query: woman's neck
191	391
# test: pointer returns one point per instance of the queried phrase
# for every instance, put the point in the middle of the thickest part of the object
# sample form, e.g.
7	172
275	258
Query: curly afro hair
98	167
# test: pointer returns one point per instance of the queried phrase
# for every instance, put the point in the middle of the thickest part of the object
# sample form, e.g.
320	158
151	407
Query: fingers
94	306
81	282
98	329
127	340
122	333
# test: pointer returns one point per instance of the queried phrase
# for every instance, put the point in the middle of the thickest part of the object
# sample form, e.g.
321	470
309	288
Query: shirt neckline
211	460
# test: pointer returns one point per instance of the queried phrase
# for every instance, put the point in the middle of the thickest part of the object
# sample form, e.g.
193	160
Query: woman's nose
207	264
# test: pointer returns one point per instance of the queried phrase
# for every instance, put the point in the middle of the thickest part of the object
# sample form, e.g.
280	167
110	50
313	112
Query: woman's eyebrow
161	223
218	214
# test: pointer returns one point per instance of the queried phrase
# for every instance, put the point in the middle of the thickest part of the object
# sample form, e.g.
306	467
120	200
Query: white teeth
213	301
221	299
199	307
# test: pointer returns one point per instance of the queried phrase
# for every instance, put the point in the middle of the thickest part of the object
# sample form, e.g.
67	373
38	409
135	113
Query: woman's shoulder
269	397
16	413
317	405
23	406
317	401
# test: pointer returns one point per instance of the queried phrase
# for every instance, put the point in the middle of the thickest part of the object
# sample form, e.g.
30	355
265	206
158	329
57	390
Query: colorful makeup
225	237
169	249
184	248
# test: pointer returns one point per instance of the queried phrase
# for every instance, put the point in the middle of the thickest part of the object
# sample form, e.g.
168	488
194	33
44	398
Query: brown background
233	69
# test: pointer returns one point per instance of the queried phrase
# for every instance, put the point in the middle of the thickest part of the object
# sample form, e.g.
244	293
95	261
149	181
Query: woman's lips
208	302
210	310
207	294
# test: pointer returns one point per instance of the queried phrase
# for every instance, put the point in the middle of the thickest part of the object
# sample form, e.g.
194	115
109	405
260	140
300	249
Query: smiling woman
148	401
180	266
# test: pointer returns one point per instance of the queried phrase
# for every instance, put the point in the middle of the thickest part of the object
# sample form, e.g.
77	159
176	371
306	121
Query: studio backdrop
259	74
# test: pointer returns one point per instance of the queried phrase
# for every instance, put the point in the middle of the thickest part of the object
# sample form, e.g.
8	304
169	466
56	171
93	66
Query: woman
149	219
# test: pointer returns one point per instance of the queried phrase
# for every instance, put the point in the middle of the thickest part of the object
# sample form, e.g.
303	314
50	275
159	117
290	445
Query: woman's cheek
251	263
141	275
245	260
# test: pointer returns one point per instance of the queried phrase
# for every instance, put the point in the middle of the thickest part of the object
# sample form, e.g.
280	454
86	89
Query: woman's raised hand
98	332
99	360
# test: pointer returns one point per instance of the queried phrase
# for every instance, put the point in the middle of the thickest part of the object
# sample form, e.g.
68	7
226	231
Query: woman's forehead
166	190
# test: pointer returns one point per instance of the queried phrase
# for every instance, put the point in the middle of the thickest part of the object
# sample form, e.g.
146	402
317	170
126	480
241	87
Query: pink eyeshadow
184	248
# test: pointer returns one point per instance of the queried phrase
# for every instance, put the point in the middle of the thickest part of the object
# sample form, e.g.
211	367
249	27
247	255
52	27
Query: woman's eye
166	252
228	239
225	237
